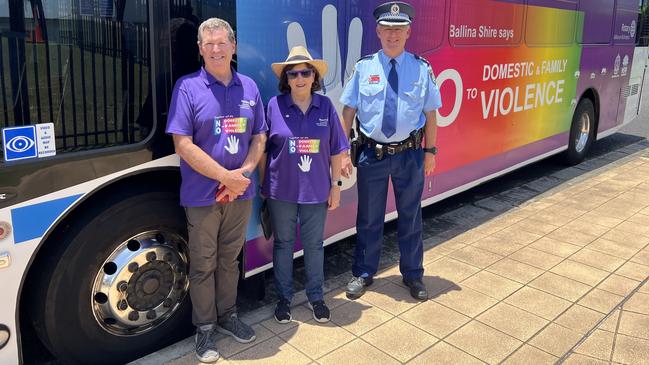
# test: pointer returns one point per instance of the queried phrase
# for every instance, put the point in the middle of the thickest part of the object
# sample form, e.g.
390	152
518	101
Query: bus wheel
582	132
119	289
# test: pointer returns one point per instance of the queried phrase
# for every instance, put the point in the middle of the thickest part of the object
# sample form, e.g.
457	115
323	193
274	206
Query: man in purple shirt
218	125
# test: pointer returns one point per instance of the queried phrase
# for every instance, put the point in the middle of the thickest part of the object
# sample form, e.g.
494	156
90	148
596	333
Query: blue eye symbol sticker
20	144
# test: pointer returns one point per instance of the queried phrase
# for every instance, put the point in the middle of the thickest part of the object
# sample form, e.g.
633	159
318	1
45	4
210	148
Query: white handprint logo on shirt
233	145
335	79
305	163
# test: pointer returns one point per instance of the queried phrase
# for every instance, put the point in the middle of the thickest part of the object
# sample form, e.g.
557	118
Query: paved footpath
559	278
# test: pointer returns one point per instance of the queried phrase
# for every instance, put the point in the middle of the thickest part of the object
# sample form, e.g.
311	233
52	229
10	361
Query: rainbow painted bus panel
509	86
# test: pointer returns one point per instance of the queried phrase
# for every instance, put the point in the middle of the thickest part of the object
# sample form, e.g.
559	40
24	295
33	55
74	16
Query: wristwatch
432	150
336	183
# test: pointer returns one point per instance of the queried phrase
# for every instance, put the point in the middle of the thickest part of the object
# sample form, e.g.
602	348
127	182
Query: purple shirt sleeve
180	112
260	125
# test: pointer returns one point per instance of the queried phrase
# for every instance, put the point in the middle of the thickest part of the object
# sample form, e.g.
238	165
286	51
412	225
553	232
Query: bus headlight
4	335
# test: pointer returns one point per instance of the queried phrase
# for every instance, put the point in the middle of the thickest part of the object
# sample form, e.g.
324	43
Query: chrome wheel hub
584	132
141	284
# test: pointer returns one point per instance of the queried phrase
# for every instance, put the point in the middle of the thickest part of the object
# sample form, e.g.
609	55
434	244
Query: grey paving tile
483	342
411	340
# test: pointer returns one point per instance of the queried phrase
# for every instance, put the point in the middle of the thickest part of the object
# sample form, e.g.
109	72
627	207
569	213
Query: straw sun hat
297	55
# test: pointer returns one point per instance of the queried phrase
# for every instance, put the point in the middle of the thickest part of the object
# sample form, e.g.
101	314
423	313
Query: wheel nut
151	256
122	305
151	315
122	286
167	303
133	316
133	267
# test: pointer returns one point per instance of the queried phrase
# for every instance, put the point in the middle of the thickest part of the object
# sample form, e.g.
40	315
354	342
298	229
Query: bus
93	242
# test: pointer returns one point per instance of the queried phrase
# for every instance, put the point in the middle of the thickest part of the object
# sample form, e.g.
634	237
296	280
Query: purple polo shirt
299	149
221	120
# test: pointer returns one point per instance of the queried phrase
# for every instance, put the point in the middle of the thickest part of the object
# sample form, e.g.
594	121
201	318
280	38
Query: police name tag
28	141
374	79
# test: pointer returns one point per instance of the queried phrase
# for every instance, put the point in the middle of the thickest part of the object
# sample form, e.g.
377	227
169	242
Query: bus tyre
118	290
582	132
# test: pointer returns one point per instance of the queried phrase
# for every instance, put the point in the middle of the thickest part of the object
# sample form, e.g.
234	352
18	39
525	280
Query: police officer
393	96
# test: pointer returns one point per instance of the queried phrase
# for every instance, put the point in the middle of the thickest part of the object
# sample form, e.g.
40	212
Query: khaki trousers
216	236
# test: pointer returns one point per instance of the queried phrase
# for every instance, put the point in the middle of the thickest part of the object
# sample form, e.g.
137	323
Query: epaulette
366	57
425	61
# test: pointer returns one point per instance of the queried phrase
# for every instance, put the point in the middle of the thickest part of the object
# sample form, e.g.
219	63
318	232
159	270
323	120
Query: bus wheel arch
583	128
149	200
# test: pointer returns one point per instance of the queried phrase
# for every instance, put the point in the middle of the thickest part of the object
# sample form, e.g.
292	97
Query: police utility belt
380	148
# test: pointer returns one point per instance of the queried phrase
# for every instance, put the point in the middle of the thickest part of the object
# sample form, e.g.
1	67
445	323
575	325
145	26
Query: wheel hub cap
150	285
584	132
141	284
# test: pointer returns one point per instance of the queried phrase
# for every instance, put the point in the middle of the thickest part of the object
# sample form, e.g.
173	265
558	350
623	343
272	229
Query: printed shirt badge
322	122
374	79
247	104
303	145
230	125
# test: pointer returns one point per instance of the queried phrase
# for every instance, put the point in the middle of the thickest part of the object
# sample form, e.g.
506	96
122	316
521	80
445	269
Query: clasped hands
233	184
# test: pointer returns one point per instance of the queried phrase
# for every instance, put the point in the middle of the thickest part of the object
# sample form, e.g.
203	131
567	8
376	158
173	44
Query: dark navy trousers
406	170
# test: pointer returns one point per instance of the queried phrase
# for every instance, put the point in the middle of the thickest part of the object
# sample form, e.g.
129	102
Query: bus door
545	86
642	50
629	107
471	68
606	55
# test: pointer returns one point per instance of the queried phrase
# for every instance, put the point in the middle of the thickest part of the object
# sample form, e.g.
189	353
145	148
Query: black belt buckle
378	149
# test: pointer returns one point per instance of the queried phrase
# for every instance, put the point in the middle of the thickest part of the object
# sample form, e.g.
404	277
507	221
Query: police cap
394	13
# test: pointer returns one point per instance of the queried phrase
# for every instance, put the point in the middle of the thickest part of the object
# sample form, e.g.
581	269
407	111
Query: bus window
626	18
471	25
82	65
642	34
597	21
550	22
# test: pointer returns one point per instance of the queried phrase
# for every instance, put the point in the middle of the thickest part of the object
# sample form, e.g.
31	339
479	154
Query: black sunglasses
292	74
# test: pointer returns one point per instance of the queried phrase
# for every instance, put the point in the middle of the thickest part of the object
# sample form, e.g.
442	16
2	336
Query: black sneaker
232	326
205	345
283	311
321	312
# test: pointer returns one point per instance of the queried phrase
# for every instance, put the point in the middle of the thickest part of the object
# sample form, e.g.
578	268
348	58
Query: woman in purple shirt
301	175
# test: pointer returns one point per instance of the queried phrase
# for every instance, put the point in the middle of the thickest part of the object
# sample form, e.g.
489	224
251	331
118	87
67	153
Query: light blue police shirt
365	92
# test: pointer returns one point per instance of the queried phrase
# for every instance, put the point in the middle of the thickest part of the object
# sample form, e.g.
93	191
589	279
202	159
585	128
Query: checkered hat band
390	16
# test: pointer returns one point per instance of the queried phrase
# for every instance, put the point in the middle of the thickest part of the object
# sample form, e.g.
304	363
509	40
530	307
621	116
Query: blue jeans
285	217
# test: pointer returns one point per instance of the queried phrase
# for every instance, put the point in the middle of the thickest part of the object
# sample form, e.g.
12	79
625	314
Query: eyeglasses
292	74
